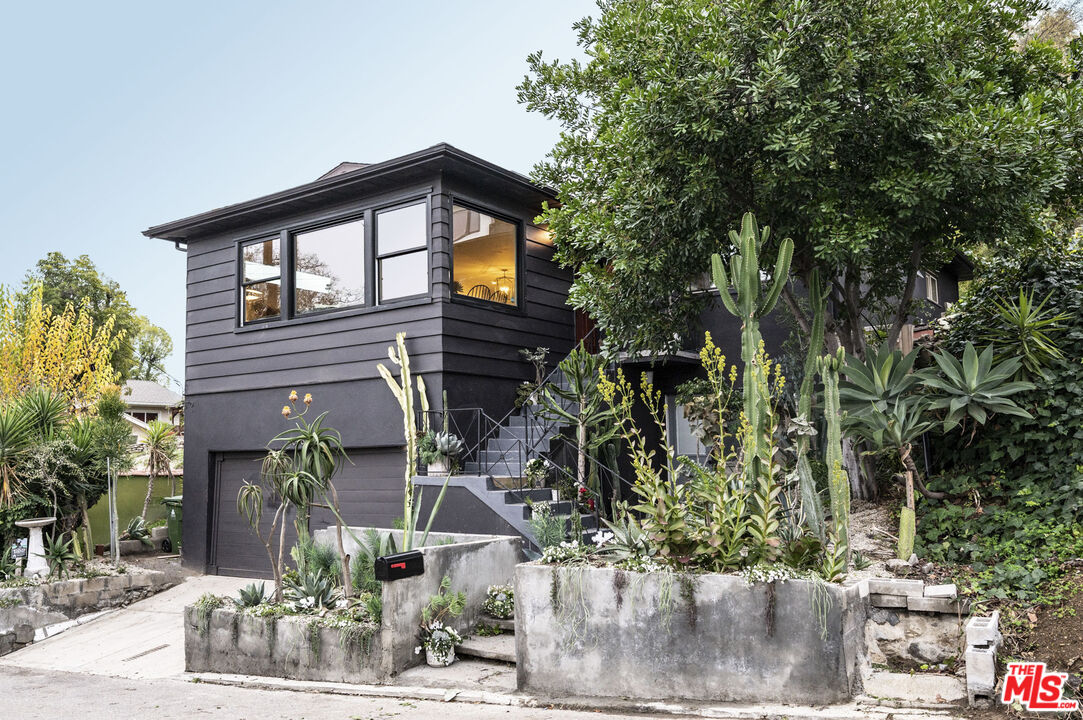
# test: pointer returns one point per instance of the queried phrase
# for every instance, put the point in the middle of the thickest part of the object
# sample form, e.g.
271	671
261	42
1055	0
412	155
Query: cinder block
941	591
887	601
940	605
981	676
894	586
983	631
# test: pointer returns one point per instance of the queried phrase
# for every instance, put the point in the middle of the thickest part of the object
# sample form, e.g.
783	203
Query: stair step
559	508
503	624
495	647
536	495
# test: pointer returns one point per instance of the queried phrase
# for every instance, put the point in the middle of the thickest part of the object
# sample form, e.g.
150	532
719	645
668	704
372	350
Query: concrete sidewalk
143	640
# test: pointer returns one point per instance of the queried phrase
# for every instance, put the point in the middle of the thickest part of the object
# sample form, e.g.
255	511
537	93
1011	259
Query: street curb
850	711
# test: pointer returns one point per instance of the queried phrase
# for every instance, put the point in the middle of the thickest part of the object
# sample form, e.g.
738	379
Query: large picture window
484	257
402	252
261	280
329	267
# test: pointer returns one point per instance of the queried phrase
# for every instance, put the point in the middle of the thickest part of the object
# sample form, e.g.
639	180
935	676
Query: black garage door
370	490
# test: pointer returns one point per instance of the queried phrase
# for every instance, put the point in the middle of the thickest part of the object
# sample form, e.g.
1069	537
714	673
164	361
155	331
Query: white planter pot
437	466
434	660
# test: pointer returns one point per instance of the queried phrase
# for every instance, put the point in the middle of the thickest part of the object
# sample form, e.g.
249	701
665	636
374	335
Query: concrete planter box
602	631
232	642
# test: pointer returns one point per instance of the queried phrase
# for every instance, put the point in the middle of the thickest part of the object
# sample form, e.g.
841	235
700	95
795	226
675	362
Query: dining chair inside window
481	292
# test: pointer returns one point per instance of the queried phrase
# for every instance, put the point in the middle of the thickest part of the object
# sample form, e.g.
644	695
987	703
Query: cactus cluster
751	303
838	484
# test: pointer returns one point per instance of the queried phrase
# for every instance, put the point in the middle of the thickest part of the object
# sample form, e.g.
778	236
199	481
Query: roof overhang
416	167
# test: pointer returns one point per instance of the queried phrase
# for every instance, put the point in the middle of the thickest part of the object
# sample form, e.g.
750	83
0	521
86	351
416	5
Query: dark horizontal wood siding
221	357
481	361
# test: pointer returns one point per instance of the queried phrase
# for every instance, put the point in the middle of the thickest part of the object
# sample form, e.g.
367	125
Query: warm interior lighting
484	256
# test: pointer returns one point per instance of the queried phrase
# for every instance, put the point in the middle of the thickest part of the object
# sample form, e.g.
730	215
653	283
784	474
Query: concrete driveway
143	640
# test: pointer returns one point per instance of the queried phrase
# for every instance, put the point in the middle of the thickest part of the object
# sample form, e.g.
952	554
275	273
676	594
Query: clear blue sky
121	115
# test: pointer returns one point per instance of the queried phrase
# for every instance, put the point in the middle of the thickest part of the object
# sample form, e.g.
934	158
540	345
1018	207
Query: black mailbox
401	565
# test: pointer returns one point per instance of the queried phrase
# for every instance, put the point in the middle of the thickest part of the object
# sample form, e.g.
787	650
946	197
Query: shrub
1016	488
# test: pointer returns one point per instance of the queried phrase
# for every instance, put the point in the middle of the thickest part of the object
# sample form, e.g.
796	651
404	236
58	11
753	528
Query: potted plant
536	472
439	451
437	638
499	602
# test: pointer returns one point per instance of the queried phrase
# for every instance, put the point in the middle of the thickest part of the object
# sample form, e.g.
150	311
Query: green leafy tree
65	281
152	346
881	137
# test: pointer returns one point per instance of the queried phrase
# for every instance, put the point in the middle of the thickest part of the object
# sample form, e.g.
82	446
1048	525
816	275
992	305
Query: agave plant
877	381
311	592
251	595
60	554
137	530
974	387
897	429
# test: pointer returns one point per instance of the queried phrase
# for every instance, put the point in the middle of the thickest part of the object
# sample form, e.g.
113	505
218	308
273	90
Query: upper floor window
402	252
929	283
329	267
484	256
261	280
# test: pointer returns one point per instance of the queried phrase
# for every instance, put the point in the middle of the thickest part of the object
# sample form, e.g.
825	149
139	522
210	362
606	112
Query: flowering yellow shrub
64	352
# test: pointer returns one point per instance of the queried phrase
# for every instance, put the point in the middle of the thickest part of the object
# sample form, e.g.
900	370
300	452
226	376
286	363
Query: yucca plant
46	410
251	595
16	436
1028	330
974	388
161	448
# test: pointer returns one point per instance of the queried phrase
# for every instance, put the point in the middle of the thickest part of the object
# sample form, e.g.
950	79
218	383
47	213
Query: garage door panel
370	493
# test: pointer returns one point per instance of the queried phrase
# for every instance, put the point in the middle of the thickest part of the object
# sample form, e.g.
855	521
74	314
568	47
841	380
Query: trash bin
174	515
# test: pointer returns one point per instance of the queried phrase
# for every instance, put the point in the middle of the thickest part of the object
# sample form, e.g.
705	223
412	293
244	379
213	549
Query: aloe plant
251	595
974	387
751	304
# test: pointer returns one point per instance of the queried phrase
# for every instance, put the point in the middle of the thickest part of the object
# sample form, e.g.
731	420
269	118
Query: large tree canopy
882	137
142	345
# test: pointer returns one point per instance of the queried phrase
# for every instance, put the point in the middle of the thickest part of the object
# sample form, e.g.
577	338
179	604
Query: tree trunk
86	527
581	439
912	468
347	586
862	484
150	491
902	310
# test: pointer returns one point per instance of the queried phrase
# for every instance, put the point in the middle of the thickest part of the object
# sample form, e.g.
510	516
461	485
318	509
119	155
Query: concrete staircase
499	648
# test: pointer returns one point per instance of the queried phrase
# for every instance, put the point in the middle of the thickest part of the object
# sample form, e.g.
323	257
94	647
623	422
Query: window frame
425	247
243	284
519	307
285	233
292	234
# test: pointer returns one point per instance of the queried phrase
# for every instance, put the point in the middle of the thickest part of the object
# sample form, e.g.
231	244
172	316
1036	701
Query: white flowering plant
499	601
438	639
566	551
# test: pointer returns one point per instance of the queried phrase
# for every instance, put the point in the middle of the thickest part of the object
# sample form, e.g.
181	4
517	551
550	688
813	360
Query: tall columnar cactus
404	392
751	304
810	499
838	484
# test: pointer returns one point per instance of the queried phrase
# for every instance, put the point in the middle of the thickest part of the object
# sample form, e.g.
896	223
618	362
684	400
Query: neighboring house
148	401
305	289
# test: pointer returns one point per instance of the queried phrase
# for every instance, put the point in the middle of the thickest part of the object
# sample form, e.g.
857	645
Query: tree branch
903	307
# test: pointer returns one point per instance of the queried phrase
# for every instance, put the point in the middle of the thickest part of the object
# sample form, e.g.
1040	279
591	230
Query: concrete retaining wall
26	612
706	637
233	642
473	562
